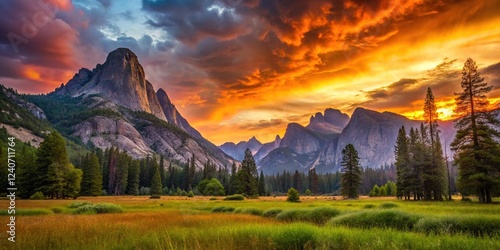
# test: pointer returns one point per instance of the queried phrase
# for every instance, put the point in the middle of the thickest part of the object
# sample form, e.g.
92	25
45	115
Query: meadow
265	223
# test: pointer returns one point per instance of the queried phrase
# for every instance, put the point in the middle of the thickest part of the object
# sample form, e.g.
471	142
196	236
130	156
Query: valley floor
190	223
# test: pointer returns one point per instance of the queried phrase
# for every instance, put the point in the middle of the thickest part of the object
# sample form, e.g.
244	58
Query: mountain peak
122	53
120	79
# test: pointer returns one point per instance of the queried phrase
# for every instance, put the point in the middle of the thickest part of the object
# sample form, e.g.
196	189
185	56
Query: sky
242	68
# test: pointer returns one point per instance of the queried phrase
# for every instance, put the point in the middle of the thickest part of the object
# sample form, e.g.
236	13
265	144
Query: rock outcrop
121	79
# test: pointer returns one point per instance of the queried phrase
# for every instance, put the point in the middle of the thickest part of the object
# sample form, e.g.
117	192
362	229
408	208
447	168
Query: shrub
387	205
57	210
85	209
222	209
293	195
466	199
213	198
295	237
37	196
290	215
308	192
238	210
234	197
251	210
368	206
471	225
100	208
154	196
272	212
105	208
320	215
382	219
227	209
191	194
78	204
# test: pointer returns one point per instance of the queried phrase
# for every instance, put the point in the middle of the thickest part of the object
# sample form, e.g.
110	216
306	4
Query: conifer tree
156	187
262	184
92	178
133	178
476	149
247	175
434	179
233	181
55	176
351	172
404	169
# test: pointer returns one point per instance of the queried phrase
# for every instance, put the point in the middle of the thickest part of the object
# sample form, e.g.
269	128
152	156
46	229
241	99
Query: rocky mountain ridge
121	109
372	133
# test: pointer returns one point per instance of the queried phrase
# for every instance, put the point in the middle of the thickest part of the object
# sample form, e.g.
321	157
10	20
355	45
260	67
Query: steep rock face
172	115
120	79
317	123
267	148
32	108
105	132
300	140
237	151
336	118
373	134
332	122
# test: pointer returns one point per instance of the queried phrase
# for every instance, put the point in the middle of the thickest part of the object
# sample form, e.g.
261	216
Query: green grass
375	218
198	223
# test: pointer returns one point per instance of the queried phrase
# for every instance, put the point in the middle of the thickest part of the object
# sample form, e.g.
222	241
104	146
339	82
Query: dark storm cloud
444	80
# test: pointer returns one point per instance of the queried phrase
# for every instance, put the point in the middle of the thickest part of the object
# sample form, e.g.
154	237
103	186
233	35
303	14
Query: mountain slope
114	105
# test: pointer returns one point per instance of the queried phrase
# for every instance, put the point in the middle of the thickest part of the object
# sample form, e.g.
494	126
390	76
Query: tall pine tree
247	176
351	172
477	151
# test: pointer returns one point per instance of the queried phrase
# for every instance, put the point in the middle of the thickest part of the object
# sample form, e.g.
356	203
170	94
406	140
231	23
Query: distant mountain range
319	144
115	105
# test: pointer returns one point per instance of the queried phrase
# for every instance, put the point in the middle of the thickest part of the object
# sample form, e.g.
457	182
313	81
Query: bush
213	198
191	194
105	208
308	192
238	210
293	195
272	212
290	215
251	210
222	209
57	210
382	219
471	225
86	209
154	196
37	196
320	215
295	237
234	197
387	205
78	204
99	208
368	206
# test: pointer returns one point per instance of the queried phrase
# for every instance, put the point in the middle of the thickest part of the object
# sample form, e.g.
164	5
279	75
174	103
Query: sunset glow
237	71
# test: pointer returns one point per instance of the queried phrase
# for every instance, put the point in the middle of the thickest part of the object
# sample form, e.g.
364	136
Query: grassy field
265	223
